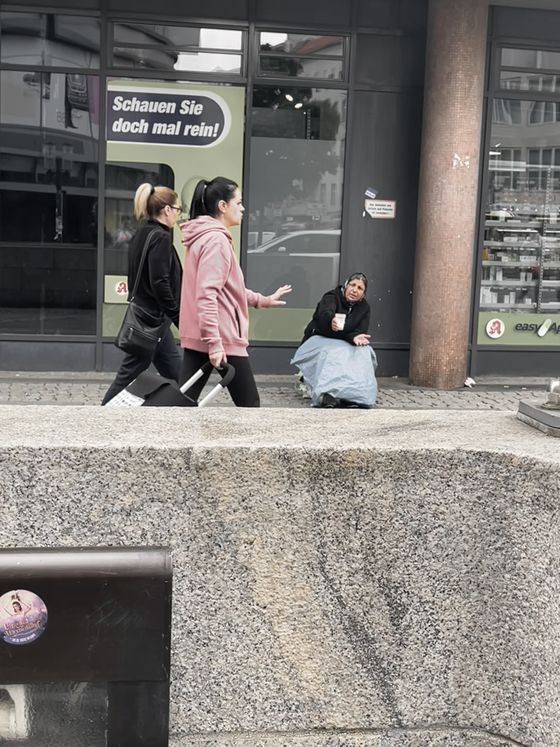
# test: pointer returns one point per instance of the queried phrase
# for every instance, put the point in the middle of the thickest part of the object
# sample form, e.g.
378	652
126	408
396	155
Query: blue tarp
336	367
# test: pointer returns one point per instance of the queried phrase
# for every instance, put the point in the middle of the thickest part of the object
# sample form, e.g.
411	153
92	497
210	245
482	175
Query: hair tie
152	190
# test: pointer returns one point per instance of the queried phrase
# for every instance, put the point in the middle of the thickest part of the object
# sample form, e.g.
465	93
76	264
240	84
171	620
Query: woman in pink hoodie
214	314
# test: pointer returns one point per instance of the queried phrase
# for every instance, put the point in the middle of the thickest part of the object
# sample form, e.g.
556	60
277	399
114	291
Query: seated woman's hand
275	298
361	339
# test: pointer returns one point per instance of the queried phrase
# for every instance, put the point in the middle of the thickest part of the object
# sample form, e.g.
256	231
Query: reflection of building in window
511	81
507	169
301	55
191	48
544	176
541	112
506	111
13	716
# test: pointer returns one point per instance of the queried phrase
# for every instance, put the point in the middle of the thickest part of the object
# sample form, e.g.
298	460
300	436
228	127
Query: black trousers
242	389
167	361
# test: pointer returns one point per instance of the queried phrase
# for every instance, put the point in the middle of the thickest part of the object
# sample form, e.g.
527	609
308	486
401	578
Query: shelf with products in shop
549	290
511	266
507	307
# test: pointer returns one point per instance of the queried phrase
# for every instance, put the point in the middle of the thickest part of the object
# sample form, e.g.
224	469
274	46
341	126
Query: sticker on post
380	208
23	617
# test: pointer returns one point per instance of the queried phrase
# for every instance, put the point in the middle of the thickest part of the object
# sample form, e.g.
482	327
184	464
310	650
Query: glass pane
48	202
521	253
300	67
209	62
538	59
177	36
168	59
41	39
54	713
517	81
294	202
301	45
121	182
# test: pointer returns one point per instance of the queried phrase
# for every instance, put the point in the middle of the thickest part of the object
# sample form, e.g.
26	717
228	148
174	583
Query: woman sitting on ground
335	357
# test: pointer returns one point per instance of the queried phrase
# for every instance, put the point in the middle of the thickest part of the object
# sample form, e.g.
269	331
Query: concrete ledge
547	421
357	579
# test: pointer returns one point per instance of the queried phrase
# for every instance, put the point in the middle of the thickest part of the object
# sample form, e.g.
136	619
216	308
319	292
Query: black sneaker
346	403
327	400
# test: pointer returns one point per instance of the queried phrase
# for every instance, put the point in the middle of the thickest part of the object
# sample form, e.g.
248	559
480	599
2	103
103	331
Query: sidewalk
87	388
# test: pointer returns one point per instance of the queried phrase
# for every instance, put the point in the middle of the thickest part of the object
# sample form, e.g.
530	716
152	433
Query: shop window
49	39
286	55
516	80
294	201
520	272
48	202
189	48
507	111
121	182
537	59
542	112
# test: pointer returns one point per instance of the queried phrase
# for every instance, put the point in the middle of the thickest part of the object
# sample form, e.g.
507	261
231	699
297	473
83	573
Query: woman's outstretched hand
362	339
275	298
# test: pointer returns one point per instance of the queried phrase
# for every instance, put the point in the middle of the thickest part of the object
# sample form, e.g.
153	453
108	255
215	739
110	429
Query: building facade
414	141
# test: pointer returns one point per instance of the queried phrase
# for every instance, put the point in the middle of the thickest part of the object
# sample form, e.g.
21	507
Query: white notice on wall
381	208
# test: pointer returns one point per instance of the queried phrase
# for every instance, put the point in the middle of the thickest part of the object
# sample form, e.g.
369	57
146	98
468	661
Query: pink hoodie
214	313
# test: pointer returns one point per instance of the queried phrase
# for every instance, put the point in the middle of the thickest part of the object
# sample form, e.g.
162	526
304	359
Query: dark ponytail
207	195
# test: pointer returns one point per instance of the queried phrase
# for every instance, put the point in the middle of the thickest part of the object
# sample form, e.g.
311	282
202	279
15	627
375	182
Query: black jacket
333	302
159	290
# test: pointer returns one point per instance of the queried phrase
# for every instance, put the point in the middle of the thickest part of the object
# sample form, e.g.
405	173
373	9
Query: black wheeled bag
151	390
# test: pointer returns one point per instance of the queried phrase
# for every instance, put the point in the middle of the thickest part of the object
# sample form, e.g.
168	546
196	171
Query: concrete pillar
447	205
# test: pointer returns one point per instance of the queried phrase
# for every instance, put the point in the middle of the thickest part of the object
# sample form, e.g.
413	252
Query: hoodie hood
194	229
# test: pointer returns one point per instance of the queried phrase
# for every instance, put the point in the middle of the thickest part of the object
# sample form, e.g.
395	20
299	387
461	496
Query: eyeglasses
178	209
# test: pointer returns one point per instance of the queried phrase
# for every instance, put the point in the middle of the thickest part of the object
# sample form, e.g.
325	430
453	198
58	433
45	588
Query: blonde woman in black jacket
159	288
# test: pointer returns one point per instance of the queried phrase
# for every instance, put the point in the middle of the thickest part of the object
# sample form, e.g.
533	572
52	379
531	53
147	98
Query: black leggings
242	389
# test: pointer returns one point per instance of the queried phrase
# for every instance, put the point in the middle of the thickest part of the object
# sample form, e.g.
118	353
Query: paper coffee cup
340	320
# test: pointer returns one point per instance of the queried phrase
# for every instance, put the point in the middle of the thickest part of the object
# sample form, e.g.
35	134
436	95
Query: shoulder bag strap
142	260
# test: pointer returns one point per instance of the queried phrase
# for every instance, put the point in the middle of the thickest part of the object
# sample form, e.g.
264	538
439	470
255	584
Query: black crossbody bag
141	330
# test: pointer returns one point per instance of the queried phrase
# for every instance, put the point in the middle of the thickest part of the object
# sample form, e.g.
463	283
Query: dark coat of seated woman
335	357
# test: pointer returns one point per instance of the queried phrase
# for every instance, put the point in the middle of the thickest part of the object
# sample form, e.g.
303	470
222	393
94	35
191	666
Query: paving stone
47	388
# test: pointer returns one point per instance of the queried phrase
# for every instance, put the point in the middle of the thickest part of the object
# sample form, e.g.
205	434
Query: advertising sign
187	118
194	129
525	330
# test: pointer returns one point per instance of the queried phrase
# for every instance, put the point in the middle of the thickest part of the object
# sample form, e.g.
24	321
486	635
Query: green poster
194	128
525	330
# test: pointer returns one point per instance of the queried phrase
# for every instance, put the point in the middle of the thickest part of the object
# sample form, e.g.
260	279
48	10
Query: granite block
363	579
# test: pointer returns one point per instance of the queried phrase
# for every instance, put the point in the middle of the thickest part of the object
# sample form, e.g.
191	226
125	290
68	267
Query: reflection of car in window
300	243
308	260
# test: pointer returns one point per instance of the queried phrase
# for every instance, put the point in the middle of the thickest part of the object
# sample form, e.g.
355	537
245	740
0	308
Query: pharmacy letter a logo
495	328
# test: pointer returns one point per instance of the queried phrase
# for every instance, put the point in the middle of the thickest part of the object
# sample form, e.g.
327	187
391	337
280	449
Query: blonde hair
149	201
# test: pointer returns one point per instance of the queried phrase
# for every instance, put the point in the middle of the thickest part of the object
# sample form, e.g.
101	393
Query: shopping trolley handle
227	372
